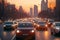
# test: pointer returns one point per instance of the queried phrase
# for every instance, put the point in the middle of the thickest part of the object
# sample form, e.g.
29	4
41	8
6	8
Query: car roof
56	22
41	21
25	22
8	21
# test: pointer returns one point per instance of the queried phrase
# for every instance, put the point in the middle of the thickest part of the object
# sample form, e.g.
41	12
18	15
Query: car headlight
13	25
34	23
32	31
18	31
4	25
57	28
46	25
38	25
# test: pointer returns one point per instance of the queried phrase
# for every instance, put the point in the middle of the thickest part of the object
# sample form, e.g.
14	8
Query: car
15	23
9	25
55	29
41	26
50	22
25	29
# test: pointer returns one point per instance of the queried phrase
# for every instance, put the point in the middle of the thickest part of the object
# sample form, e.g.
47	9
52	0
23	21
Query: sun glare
27	4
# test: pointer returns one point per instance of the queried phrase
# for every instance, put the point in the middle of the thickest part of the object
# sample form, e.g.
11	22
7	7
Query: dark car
42	25
9	25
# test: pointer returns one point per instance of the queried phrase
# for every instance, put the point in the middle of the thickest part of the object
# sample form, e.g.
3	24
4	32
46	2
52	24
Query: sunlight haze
27	4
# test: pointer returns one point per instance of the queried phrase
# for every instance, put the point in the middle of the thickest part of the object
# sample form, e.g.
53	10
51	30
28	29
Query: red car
25	29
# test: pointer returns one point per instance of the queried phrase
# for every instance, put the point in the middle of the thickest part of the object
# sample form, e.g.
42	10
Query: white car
55	29
8	25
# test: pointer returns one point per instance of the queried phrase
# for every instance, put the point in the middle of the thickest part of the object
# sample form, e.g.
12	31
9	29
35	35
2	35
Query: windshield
51	20
8	23
42	23
57	24
25	25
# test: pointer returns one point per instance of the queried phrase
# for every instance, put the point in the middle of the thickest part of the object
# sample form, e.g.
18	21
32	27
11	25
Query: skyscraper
57	5
31	12
35	11
57	11
44	5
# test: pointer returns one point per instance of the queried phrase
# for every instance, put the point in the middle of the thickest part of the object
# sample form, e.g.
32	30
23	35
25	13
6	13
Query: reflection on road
45	35
7	35
57	39
39	35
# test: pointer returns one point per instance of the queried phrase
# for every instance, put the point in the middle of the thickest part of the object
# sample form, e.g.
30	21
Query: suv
25	29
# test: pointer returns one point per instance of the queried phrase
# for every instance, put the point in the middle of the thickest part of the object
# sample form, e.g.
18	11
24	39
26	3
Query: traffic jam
28	28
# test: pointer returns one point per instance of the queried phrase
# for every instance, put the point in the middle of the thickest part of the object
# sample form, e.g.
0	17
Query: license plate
25	34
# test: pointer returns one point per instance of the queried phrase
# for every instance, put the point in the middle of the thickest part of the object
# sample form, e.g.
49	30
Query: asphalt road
45	35
6	35
39	35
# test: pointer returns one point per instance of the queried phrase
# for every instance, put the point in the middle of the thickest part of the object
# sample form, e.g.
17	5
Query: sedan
41	26
25	29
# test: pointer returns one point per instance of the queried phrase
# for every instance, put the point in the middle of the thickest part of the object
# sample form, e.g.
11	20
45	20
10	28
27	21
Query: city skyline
27	4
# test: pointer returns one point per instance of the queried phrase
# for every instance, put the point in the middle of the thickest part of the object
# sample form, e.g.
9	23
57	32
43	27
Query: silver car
55	29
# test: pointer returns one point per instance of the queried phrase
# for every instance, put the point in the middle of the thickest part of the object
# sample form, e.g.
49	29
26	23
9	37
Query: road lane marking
13	37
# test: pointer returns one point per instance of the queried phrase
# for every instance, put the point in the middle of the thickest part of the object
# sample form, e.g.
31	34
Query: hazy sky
28	3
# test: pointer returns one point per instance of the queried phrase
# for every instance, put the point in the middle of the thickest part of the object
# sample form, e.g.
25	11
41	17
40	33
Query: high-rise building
44	5
57	11
35	11
10	7
57	5
31	12
21	9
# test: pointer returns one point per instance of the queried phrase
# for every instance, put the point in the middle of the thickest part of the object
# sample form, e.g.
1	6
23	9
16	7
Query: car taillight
46	25
34	23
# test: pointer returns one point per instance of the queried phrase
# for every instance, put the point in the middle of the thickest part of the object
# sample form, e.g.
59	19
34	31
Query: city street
29	20
6	35
39	35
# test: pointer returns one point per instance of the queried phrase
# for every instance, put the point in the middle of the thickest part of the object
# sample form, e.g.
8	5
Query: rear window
51	20
42	23
25	25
